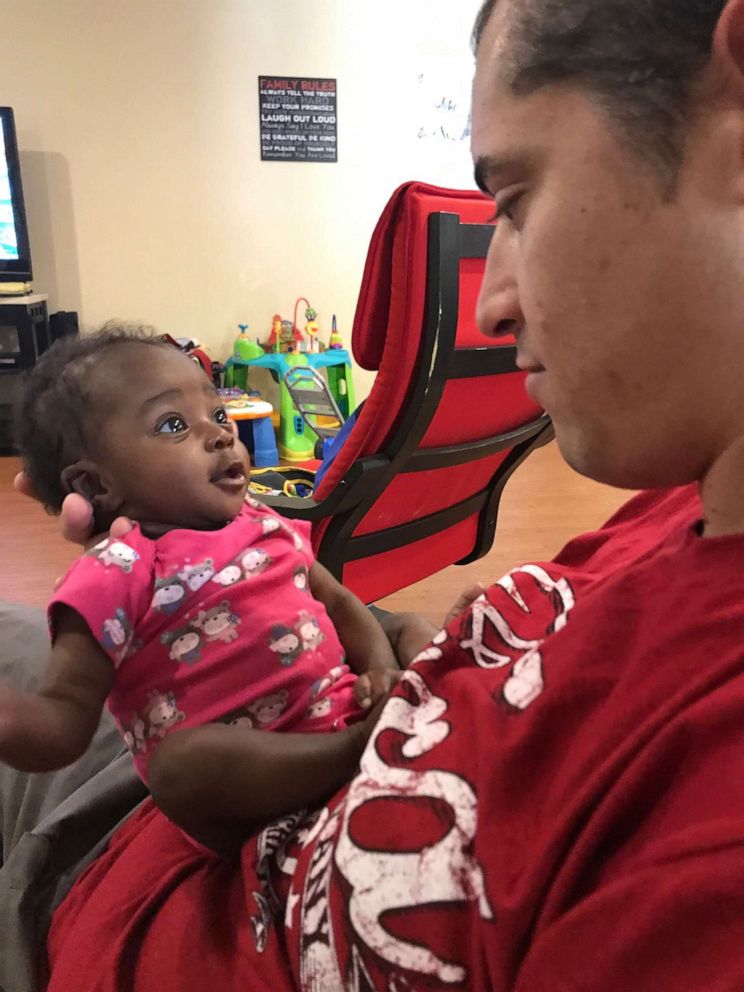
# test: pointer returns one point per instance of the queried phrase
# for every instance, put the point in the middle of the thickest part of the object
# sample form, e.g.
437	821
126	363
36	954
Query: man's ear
724	83
85	478
728	42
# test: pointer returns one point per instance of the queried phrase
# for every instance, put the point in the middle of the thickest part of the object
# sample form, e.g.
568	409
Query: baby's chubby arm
53	727
368	650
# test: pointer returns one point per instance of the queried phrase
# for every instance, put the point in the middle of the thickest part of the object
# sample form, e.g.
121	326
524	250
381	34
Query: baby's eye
220	416
174	424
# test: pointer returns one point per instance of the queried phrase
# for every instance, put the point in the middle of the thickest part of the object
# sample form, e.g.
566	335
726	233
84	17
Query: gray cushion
52	825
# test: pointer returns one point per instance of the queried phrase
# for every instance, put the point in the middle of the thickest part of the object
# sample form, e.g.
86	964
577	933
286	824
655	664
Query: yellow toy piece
311	329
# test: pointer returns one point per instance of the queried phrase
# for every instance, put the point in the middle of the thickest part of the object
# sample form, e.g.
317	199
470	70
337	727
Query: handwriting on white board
444	111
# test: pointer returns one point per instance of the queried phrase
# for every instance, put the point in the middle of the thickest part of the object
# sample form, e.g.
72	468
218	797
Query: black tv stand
24	335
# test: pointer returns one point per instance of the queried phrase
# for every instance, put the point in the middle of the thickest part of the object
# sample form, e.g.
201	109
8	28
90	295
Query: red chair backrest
438	399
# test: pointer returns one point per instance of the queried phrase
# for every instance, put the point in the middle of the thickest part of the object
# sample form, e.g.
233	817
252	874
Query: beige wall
138	130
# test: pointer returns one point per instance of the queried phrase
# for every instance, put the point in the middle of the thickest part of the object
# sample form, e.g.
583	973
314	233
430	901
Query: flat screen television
15	251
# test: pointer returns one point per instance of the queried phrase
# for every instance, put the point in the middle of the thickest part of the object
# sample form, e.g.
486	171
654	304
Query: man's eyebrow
489	168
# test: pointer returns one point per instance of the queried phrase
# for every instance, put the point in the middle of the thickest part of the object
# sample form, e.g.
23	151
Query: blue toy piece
264	442
333	445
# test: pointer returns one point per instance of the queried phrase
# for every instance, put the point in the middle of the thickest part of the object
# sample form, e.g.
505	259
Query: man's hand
466	598
410	633
373	686
22	484
76	516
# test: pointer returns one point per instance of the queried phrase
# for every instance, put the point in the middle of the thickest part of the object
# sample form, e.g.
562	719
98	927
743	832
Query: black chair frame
438	361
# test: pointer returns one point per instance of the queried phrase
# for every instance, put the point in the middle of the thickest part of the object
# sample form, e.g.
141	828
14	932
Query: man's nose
498	311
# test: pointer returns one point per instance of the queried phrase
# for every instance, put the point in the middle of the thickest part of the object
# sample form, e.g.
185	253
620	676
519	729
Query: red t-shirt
553	800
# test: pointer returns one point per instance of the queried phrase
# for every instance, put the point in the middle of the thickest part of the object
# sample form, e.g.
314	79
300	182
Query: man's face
166	445
627	303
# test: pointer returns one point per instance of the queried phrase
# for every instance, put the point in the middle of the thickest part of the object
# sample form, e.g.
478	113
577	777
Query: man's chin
590	459
624	465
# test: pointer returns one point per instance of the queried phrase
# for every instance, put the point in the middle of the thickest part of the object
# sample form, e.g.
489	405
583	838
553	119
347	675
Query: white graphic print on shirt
383	883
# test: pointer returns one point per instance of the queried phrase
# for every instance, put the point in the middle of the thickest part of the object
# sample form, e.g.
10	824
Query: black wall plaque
298	119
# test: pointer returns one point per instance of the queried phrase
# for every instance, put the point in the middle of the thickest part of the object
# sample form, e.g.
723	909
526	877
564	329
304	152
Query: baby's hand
373	686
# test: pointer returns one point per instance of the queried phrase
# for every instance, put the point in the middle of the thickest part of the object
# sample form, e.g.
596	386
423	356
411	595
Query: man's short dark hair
55	418
639	59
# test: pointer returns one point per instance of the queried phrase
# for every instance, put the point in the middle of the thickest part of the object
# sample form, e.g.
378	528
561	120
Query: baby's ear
86	479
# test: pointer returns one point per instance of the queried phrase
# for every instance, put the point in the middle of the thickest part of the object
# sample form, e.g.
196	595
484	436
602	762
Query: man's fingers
77	522
22	484
77	519
464	600
121	527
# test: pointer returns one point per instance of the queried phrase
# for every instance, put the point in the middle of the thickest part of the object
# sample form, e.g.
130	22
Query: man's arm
53	727
409	633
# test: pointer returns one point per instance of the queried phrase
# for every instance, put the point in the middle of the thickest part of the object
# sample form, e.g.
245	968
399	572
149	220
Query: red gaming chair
416	485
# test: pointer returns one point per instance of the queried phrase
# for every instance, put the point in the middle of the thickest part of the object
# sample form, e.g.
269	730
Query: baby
206	624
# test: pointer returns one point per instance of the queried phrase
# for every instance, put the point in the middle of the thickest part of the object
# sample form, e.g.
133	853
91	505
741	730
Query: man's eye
220	416
174	424
506	208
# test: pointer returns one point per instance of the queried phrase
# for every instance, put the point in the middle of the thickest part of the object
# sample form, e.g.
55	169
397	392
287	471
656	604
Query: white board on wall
442	78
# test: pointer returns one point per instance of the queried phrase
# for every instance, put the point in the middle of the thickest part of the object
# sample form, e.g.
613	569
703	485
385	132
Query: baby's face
169	451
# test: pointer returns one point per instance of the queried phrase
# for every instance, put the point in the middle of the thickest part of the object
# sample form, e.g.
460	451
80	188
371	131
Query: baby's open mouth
232	474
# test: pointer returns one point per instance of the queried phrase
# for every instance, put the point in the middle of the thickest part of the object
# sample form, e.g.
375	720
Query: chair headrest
407	206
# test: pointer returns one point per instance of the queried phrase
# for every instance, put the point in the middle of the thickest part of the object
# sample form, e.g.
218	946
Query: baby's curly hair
53	413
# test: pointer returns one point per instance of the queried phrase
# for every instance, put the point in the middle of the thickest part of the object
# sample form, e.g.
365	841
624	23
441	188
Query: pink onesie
205	626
